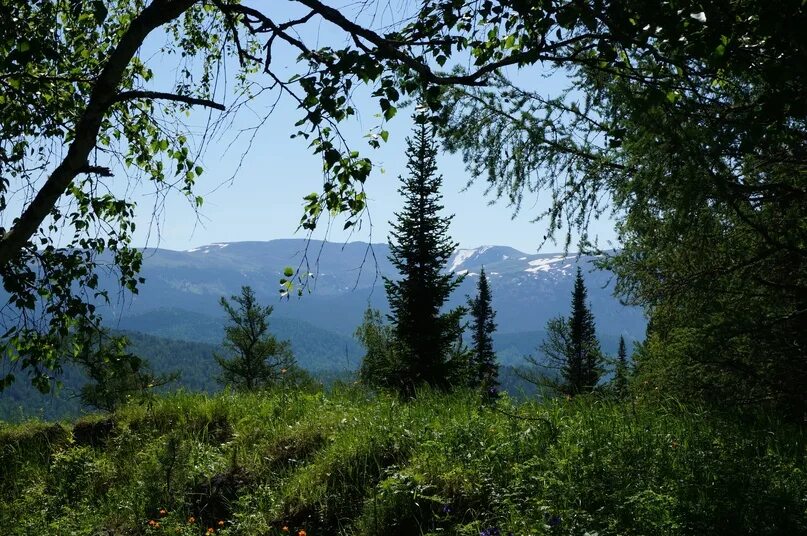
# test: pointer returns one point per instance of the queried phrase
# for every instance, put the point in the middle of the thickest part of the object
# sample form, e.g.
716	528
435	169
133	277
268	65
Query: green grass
351	463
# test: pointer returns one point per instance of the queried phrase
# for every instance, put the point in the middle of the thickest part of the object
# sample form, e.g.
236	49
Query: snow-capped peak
208	247
460	256
483	255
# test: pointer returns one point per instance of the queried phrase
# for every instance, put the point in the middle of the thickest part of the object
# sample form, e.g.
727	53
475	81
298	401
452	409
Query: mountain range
177	323
180	298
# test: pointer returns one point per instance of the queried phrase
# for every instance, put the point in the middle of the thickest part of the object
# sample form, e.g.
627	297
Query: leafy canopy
83	118
688	123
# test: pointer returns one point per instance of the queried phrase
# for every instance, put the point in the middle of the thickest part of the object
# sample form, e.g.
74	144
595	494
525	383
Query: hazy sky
264	199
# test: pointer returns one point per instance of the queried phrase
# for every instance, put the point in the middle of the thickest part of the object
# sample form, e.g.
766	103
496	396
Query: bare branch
162	95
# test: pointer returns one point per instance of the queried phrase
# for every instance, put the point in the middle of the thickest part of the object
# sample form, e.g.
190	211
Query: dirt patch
211	500
290	450
93	433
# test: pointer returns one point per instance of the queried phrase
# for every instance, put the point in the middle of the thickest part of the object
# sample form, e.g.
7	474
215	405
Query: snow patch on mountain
463	255
544	265
481	256
207	248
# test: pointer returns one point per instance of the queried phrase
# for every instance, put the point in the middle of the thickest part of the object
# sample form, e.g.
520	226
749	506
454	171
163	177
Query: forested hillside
198	372
194	361
314	347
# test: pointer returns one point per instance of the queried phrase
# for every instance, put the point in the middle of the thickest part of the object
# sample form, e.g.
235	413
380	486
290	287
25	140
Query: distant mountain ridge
180	302
315	349
528	289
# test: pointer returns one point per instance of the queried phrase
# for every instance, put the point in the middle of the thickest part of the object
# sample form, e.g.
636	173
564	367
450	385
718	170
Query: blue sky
263	201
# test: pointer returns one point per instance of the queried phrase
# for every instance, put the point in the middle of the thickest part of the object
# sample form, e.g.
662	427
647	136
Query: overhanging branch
142	94
86	131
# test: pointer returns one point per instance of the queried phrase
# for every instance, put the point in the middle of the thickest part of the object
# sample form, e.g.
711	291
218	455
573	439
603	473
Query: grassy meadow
352	463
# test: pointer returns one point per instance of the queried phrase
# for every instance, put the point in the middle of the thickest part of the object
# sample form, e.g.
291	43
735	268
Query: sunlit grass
355	463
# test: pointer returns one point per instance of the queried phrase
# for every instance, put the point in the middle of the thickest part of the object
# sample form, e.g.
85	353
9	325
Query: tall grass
355	463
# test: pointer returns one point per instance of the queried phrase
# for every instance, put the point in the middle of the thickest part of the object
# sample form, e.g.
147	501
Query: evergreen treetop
585	363
258	359
621	372
419	248
572	347
484	368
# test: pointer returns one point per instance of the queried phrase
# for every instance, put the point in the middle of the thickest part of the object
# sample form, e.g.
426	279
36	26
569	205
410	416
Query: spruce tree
621	372
257	359
586	357
420	246
573	347
484	369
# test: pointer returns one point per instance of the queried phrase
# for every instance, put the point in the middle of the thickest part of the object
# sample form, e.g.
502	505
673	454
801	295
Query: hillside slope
351	464
317	351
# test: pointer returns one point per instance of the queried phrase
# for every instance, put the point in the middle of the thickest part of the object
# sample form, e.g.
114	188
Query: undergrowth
354	463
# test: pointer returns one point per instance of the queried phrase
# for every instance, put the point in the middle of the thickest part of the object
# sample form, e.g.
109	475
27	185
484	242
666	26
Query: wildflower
283	371
210	530
220	523
285	528
447	509
191	520
302	533
163	512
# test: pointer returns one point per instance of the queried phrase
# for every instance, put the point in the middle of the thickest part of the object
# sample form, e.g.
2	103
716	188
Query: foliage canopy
689	123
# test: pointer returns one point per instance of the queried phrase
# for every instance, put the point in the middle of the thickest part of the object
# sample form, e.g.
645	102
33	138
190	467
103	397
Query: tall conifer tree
586	357
572	345
484	369
420	246
621	372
